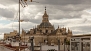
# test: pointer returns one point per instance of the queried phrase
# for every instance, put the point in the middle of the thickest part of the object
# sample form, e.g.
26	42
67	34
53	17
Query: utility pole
23	5
20	20
19	25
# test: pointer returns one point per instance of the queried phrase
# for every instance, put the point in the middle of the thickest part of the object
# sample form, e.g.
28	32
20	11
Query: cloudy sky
72	14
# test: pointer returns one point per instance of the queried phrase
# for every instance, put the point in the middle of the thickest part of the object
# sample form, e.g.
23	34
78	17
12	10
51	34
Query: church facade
46	33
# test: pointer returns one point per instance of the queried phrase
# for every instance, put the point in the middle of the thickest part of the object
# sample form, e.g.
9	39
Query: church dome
45	24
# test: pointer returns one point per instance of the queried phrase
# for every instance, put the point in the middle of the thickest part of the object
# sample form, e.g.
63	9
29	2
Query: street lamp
58	43
40	46
64	42
31	41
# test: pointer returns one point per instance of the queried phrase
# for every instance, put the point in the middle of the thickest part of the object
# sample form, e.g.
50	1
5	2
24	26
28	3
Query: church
46	33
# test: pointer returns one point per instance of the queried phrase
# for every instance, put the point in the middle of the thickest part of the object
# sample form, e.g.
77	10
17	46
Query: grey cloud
51	2
65	2
82	29
65	15
8	2
32	18
53	13
56	9
77	32
71	7
85	28
5	30
36	21
6	13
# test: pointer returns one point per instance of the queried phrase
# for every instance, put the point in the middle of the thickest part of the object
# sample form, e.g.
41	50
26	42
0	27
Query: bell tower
45	25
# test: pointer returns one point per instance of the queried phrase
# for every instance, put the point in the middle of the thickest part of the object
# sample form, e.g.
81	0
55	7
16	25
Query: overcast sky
72	14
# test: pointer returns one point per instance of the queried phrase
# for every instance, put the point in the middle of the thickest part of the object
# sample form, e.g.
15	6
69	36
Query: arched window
46	31
40	30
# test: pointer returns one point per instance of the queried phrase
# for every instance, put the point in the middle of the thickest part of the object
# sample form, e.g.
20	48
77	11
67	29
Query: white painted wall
15	43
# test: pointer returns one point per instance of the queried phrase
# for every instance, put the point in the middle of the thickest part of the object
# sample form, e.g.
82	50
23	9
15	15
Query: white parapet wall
46	47
14	43
2	48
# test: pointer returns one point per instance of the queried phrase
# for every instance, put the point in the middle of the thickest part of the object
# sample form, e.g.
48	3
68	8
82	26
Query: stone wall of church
50	39
38	39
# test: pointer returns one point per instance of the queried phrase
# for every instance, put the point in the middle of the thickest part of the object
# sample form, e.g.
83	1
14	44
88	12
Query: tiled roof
15	48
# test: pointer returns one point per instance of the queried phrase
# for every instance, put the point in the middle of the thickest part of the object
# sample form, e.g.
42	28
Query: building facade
46	33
